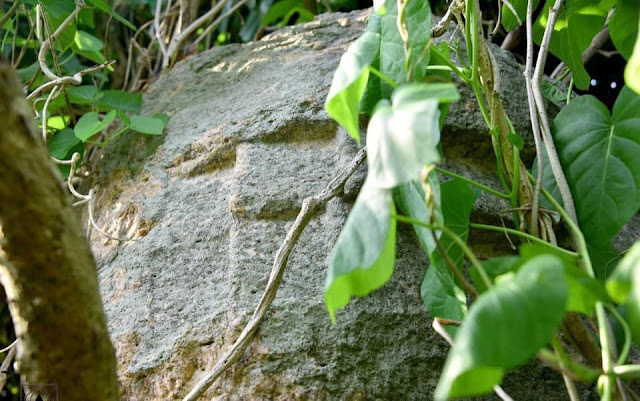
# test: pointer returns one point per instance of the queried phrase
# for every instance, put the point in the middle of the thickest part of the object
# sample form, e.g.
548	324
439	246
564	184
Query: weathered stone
209	203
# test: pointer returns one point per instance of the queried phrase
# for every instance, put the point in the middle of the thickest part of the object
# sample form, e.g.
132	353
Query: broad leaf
364	255
553	93
61	143
349	82
624	288
120	100
418	23
392	57
146	125
505	328
87	42
509	20
632	70
89	124
599	155
440	294
403	137
494	267
578	22
620	282
623	26
84	94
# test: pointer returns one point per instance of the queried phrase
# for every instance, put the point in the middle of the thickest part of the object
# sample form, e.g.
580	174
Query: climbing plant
498	314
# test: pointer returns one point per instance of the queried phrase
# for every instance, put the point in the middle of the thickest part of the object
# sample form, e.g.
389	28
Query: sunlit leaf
349	82
418	23
577	23
623	26
509	20
505	328
624	288
632	70
87	42
402	137
364	255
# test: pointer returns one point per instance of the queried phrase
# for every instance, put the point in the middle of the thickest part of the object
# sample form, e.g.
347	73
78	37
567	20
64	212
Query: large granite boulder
208	204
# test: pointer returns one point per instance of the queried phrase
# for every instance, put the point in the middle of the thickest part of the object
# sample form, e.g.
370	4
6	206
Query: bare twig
309	206
552	154
535	125
217	22
42	54
177	39
158	30
443	24
4	368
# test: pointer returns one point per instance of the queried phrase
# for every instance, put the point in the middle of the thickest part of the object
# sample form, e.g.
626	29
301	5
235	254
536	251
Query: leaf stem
383	77
467	251
474	183
624	354
524	235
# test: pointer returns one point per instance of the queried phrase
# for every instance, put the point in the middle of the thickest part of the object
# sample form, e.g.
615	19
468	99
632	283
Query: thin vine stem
446	230
474	183
524	235
383	77
624	354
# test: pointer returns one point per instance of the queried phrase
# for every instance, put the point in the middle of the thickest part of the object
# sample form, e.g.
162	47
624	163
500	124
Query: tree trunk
46	266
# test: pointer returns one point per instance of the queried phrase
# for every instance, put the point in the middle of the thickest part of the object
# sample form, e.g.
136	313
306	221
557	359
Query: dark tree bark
46	266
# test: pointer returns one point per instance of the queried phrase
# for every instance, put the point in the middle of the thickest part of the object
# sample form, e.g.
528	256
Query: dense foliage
512	308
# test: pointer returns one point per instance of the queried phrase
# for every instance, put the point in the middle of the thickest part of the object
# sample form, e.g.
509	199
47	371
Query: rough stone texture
208	204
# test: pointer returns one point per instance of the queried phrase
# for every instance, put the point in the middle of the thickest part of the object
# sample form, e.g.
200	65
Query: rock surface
209	203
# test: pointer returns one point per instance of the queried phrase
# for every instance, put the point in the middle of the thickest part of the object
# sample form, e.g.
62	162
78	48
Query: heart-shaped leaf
120	100
62	142
364	255
83	94
403	137
599	155
350	81
89	124
505	328
623	26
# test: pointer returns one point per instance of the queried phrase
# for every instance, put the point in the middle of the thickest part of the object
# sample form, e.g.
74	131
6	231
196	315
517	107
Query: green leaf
632	70
349	82
576	25
418	23
624	288
62	142
599	155
83	94
103	6
87	42
147	125
403	136
58	8
392	57
364	255
494	267
509	20
604	258
279	10
410	198
505	328
623	26
89	124
120	100
440	294
619	283
553	93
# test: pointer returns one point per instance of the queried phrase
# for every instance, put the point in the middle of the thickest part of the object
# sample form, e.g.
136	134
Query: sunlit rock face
209	202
